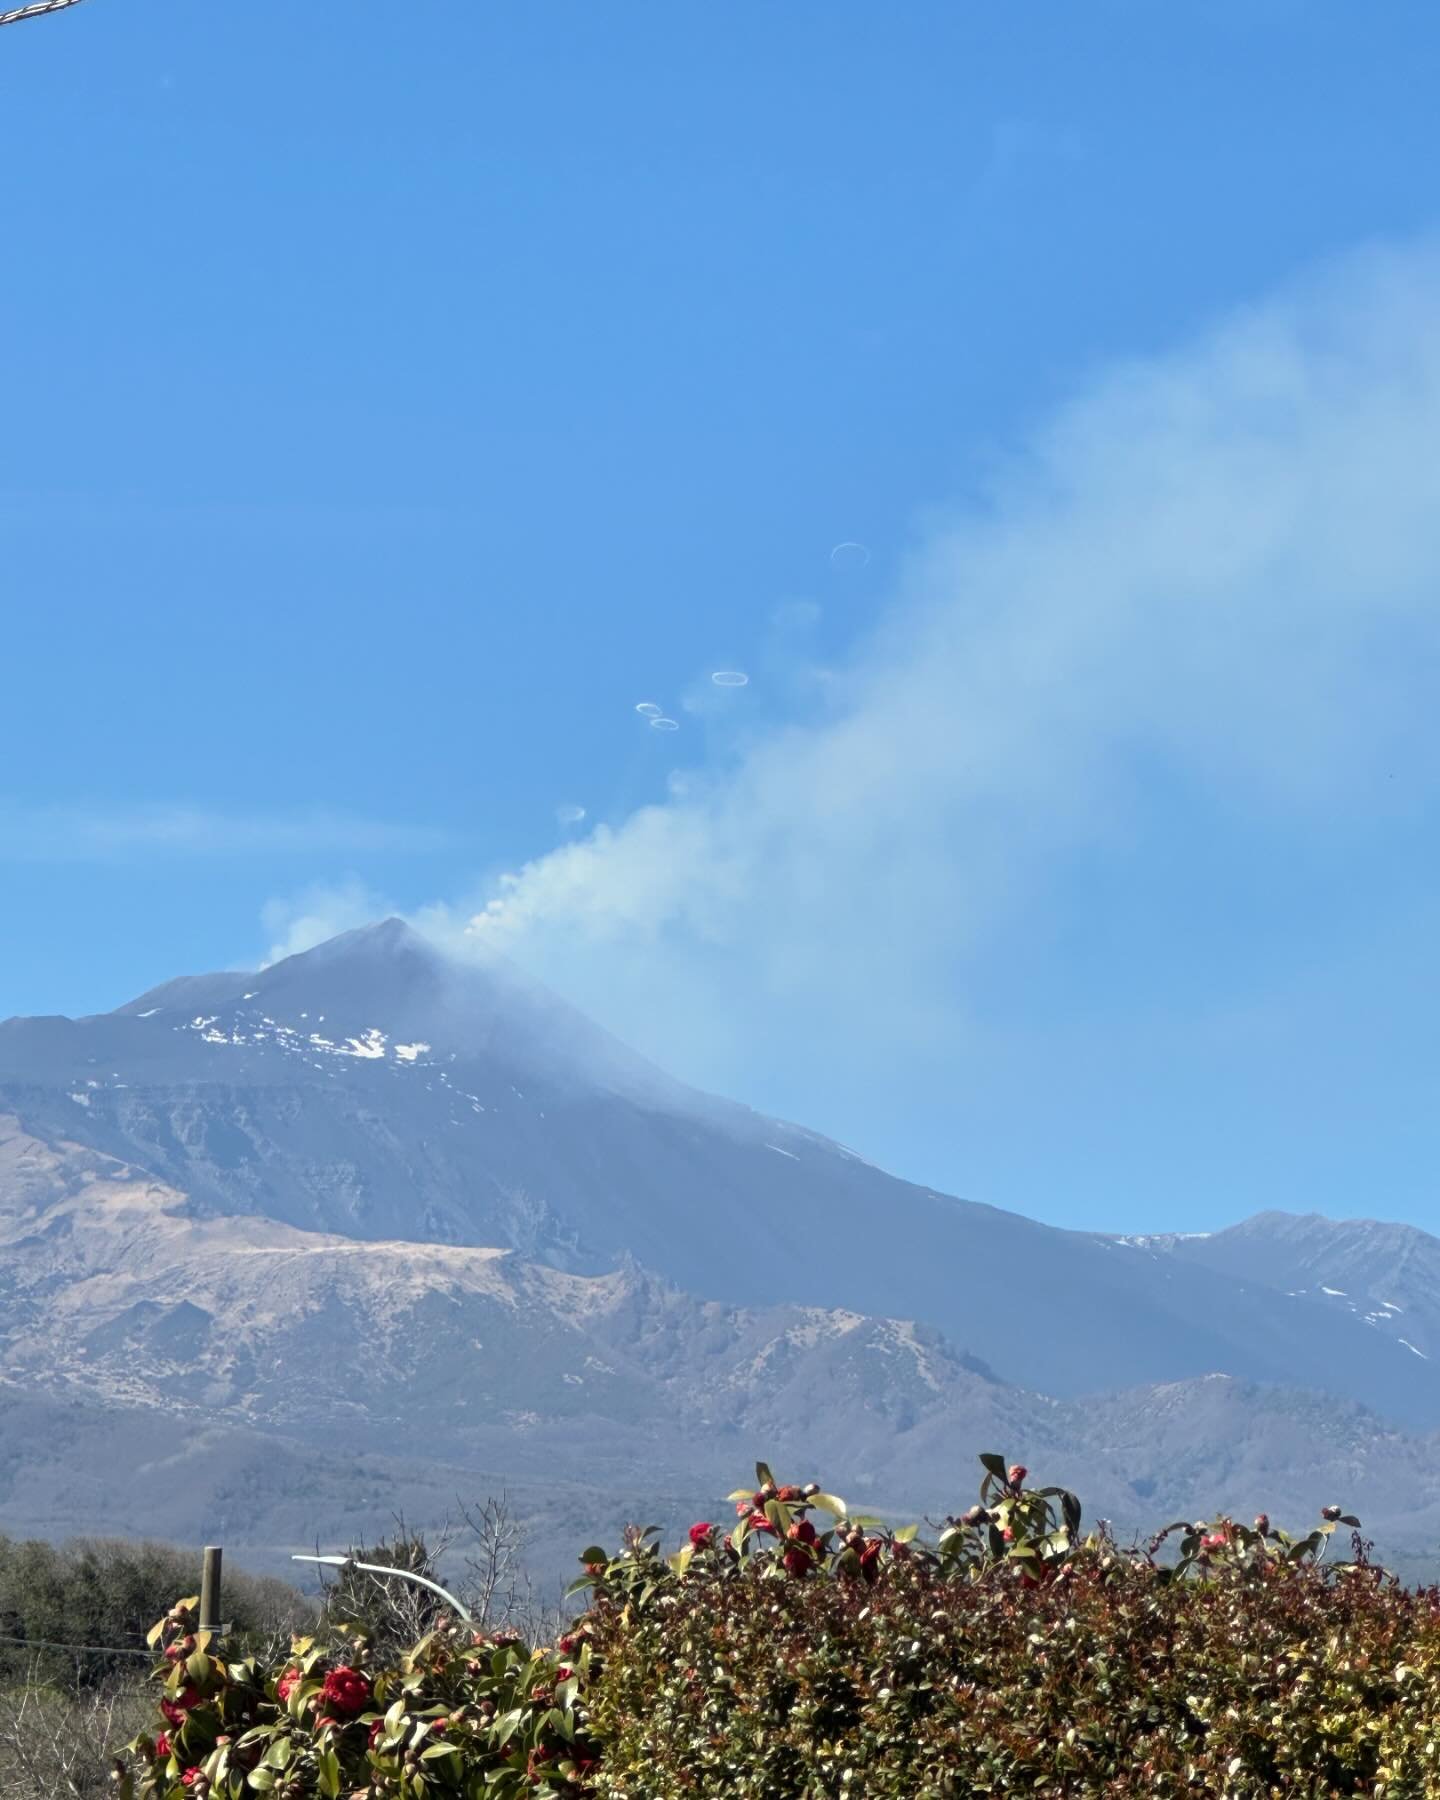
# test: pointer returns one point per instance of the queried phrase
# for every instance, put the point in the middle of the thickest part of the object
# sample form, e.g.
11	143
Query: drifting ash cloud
1223	565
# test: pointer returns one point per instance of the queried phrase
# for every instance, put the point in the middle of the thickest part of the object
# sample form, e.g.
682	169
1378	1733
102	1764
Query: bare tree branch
35	10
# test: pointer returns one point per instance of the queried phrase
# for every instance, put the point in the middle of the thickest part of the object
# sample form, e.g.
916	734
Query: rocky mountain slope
282	1254
373	1089
163	1374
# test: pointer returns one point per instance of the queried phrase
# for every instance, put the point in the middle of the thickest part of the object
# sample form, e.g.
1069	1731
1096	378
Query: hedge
808	1653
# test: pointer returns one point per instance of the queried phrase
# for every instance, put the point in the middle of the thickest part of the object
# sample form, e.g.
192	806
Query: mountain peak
387	937
389	982
390	944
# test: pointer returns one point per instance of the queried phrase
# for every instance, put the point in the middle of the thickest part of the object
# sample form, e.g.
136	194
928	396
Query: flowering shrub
806	1651
461	1712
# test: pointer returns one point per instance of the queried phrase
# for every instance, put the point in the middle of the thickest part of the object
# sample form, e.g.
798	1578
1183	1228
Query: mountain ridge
341	1093
449	1358
373	1198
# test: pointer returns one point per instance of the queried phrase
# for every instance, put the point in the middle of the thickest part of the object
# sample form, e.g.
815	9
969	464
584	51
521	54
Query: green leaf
434	1751
739	1494
995	1464
261	1779
593	1554
762	1474
327	1773
778	1514
907	1534
830	1503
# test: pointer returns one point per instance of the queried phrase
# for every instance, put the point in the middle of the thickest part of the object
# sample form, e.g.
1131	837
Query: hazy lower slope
239	1378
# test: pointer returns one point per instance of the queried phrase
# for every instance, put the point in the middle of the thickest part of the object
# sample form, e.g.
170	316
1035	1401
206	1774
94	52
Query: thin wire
44	1643
34	10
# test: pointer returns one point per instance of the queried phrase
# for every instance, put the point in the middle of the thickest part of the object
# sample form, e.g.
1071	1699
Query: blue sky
395	397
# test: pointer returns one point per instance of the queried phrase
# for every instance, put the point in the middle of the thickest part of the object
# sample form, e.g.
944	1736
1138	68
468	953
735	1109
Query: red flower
758	1522
564	1672
1008	1534
437	1727
191	1776
176	1709
1262	1522
701	1533
1018	1472
326	1723
377	1731
1330	1512
162	1744
567	1645
287	1685
797	1561
801	1532
1214	1540
347	1691
790	1493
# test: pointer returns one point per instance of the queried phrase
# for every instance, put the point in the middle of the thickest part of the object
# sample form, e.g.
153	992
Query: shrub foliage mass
803	1653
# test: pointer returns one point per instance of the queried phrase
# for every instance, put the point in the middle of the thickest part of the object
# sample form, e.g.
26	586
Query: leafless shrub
61	1745
498	1587
484	1541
